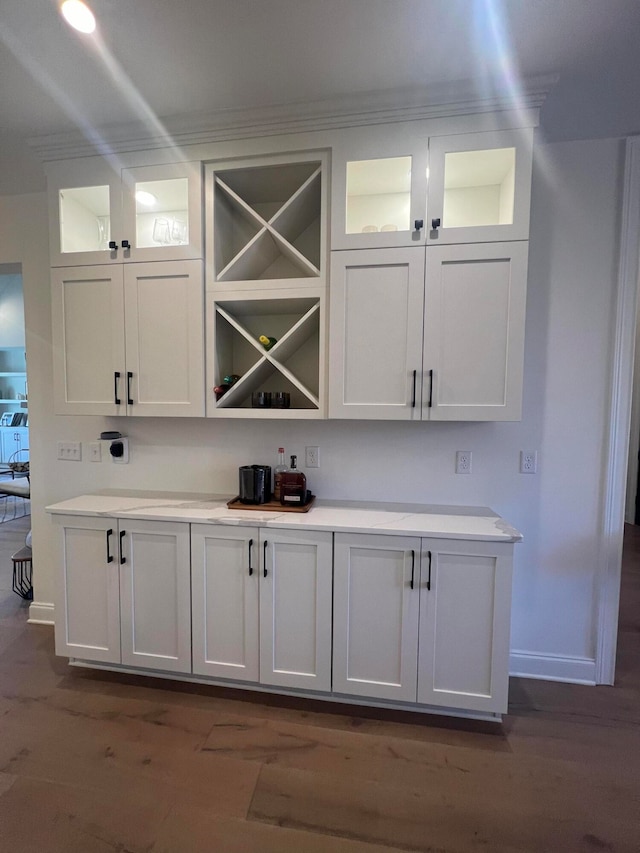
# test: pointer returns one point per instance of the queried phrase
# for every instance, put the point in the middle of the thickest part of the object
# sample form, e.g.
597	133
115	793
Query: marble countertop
445	522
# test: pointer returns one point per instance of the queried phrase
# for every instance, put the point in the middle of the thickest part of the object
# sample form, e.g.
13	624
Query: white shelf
291	365
267	222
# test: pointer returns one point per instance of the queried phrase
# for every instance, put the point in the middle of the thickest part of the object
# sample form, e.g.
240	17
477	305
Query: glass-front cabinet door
467	188
84	212
479	187
102	215
379	197
162	212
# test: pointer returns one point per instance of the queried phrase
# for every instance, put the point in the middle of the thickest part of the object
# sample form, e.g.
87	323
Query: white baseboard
41	613
552	668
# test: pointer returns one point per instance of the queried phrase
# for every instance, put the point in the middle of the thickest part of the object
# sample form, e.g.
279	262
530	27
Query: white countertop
444	522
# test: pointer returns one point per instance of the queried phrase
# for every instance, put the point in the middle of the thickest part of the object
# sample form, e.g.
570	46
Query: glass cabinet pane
378	195
162	213
84	219
479	188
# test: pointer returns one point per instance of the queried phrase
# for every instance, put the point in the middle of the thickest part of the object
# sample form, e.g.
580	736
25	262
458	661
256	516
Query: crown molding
368	108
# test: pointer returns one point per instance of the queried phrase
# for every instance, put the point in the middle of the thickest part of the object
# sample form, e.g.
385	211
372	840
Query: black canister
254	484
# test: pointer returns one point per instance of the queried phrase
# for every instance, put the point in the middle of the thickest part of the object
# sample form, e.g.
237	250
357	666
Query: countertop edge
189	509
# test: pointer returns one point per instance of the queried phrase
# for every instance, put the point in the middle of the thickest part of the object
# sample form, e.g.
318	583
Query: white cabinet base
335	698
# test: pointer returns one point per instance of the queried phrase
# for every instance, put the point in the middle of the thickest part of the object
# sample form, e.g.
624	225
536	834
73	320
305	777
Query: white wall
11	311
569	331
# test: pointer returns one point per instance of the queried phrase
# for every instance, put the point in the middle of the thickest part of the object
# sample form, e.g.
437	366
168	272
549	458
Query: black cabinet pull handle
109	554
430	388
435	224
113	245
129	398
413	566
418	224
413	393
429	578
250	550
264	559
122	557
126	244
116	378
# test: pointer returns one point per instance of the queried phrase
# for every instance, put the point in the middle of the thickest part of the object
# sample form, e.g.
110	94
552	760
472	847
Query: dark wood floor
95	763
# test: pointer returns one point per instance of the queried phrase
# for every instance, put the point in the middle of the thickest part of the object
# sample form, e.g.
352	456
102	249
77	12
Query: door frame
620	400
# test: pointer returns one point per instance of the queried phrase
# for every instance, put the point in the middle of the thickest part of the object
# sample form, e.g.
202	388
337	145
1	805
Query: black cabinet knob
435	224
418	224
126	244
113	245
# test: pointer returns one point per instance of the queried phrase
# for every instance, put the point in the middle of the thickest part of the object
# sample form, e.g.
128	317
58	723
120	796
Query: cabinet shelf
292	365
267	222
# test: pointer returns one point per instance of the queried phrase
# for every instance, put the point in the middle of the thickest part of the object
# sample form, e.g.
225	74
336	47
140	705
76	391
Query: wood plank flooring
93	762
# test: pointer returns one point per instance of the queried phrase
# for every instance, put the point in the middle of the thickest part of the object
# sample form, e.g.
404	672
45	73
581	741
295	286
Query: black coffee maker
254	484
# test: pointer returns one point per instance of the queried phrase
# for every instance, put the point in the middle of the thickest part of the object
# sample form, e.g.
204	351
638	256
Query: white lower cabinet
405	619
463	638
123	592
375	612
262	605
423	620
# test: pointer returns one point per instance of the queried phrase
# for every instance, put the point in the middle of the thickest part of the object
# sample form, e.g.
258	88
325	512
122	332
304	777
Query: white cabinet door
87	589
14	444
474	320
162	212
225	589
479	187
465	604
295	609
375	611
379	193
164	321
160	371
155	588
84	212
99	214
88	340
375	354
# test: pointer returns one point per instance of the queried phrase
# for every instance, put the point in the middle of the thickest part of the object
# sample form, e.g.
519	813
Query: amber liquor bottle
293	486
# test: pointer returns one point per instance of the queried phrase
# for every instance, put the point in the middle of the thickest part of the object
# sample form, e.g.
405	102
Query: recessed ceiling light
78	15
146	198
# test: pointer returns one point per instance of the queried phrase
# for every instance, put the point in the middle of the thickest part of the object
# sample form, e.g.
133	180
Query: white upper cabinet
129	340
266	222
375	356
479	187
379	196
471	187
474	323
101	215
282	378
442	344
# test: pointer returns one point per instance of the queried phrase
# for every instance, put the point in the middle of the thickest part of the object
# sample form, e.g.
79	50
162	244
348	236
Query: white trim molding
552	668
364	108
620	417
41	613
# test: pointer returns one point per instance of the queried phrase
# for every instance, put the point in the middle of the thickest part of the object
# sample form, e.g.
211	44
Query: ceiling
168	58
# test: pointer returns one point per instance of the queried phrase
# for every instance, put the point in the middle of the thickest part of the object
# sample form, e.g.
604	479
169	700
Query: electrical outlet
312	457
463	461
528	461
70	451
95	451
